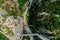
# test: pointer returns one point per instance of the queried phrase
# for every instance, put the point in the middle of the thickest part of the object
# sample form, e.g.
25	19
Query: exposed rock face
10	26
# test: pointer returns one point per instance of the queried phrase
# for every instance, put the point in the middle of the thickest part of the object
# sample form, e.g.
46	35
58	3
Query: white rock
2	11
53	0
15	1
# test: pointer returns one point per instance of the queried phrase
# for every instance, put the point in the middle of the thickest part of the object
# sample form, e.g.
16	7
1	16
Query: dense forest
50	22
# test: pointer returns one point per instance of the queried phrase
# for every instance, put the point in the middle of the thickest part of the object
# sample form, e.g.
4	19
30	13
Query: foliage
21	4
3	37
